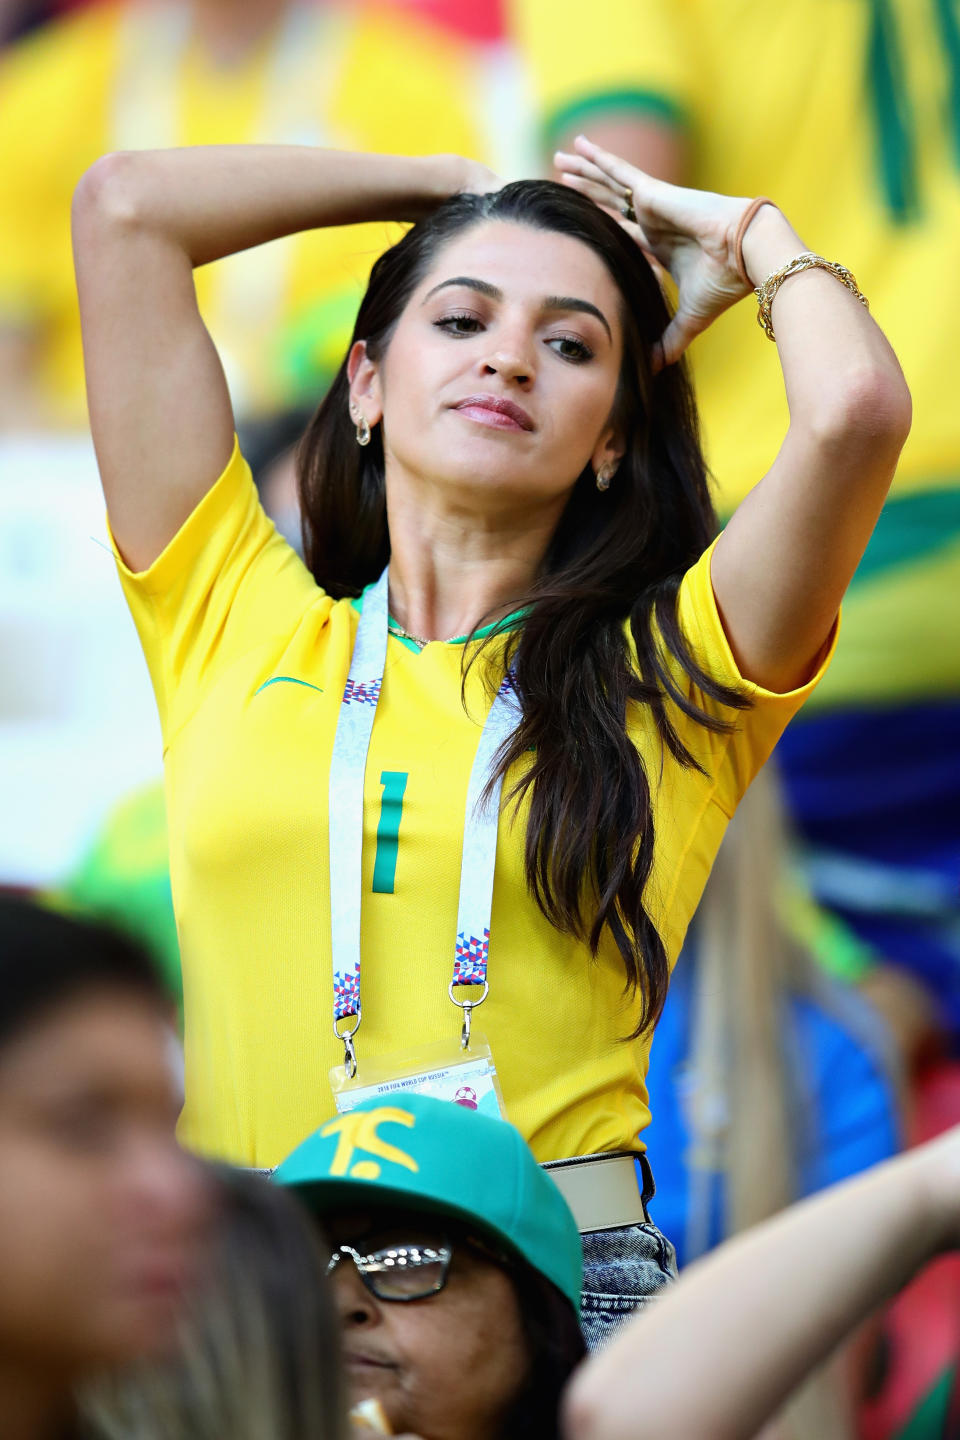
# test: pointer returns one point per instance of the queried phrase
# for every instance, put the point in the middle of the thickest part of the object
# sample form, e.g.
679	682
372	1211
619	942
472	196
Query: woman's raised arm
782	565
142	222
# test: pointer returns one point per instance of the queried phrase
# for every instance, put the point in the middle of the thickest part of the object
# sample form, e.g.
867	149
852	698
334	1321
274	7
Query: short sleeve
226	583
620	57
737	755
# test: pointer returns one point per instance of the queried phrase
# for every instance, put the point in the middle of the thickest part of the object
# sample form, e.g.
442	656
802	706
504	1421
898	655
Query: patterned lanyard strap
347	771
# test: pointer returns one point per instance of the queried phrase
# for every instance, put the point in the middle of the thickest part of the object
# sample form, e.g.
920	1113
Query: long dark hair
614	557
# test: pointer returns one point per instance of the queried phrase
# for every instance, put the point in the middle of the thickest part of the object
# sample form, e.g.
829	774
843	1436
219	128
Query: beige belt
602	1190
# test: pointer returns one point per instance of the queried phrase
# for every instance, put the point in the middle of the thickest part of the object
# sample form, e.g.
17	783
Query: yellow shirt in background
249	659
848	115
129	76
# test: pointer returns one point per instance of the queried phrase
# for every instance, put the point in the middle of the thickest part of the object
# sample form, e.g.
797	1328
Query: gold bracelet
807	261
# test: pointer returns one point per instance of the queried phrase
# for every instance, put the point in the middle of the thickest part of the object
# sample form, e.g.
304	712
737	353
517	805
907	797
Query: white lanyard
347	772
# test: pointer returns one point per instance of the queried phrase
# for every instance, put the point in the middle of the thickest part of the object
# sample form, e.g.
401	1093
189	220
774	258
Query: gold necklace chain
397	629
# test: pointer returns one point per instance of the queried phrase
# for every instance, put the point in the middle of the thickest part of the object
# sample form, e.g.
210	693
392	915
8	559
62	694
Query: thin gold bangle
808	260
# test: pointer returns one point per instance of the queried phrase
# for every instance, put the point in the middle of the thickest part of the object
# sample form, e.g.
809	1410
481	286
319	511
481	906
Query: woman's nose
355	1305
510	362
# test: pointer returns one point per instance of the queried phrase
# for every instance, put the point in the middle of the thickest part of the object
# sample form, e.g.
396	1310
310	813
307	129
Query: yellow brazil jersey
249	659
132	76
847	113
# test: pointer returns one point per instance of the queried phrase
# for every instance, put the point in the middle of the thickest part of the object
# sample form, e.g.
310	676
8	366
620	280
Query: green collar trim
509	622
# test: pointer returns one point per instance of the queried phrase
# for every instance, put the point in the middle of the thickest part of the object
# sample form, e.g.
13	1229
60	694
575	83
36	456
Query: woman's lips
357	1360
491	410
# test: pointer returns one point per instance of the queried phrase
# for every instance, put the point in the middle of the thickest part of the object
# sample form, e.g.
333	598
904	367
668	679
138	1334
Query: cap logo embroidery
358	1131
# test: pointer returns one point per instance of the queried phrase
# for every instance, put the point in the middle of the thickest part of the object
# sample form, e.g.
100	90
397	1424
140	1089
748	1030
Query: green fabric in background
929	1420
124	878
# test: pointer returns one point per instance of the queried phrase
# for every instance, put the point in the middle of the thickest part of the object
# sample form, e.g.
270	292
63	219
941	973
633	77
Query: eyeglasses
399	1272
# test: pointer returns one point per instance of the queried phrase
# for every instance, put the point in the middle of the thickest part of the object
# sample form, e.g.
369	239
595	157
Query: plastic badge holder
445	1070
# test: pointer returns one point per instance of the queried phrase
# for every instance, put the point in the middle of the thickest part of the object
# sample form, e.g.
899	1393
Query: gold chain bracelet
807	261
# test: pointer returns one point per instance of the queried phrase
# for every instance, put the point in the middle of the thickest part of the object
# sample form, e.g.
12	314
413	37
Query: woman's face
506	313
446	1367
100	1212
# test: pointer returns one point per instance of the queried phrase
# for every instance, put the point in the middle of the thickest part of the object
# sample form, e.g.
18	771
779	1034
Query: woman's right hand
476	179
453	175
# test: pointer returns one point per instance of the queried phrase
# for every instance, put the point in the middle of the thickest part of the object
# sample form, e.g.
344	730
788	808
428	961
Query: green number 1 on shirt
394	784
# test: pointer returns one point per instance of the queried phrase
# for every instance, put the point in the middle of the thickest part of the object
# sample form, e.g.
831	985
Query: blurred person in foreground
136	74
850	116
456	1267
723	1349
101	1213
258	1348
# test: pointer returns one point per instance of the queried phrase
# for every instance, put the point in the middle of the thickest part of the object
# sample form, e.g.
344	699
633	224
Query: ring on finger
628	211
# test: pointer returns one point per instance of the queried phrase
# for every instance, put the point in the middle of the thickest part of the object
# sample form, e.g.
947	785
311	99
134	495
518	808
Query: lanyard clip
349	1050
468	1007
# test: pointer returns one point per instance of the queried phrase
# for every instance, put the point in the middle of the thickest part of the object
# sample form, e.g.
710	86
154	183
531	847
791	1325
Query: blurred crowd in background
813	1024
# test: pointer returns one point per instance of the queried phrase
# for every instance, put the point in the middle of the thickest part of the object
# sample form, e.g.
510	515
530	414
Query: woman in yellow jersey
511	431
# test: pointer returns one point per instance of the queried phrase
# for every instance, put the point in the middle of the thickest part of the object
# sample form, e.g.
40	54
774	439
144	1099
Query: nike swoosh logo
287	680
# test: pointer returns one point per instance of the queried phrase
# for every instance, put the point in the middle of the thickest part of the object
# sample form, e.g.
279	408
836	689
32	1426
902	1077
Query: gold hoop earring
362	424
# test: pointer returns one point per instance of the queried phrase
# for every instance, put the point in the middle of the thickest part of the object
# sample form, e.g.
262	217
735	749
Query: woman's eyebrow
570	302
552	302
482	286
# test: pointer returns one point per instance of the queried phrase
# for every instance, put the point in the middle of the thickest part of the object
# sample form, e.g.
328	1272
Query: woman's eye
459	324
570	347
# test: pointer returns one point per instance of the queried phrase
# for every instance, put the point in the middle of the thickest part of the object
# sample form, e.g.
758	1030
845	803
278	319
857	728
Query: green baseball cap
425	1154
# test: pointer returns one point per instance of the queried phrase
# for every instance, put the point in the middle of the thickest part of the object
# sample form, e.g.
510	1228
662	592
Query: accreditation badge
446	1070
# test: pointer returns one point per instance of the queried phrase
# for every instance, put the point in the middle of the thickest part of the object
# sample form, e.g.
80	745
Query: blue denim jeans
622	1270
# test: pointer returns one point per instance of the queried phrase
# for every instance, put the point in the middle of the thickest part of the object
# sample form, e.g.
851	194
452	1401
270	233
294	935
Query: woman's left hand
690	233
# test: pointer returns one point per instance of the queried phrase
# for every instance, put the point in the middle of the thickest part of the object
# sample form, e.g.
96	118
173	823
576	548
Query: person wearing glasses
456	1267
513	591
458	1293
